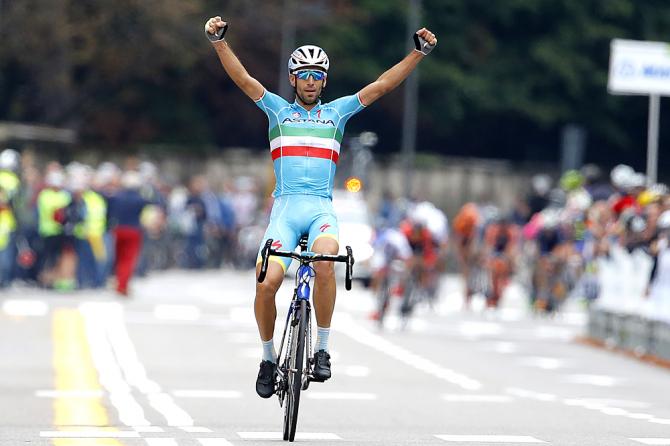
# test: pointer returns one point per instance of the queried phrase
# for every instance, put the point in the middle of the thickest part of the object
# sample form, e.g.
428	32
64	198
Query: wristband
217	35
421	45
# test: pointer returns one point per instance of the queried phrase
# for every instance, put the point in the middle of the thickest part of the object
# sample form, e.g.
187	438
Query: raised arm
424	41
215	28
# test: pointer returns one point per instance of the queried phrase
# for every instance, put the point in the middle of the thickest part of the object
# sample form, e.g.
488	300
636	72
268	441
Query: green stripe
283	130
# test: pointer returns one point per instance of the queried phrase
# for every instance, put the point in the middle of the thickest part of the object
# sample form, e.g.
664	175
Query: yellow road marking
74	369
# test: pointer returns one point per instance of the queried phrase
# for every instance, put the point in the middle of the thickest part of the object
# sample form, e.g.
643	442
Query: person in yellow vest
89	232
9	188
58	258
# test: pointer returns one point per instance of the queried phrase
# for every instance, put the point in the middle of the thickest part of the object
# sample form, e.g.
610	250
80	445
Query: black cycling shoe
321	366
267	377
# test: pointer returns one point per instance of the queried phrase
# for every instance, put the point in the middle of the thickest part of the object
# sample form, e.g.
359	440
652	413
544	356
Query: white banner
638	67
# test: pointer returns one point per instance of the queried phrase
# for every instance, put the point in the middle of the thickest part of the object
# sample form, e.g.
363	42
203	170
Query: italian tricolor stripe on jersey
284	130
310	142
312	152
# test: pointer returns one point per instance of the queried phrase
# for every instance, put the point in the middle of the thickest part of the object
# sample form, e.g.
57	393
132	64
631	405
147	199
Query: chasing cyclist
305	139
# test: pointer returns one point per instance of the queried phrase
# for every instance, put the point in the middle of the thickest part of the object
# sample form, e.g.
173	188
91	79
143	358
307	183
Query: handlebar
267	251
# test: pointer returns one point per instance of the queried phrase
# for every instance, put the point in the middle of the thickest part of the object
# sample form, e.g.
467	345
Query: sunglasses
305	74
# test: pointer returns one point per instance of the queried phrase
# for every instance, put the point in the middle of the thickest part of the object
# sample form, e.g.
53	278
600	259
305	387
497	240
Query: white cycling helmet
308	56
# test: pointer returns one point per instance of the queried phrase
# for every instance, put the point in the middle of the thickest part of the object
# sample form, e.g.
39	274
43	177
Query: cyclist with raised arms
305	139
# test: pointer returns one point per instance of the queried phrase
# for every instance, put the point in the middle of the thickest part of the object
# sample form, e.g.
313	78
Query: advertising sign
639	68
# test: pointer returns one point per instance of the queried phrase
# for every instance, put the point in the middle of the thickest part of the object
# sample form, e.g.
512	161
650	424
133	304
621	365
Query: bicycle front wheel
295	361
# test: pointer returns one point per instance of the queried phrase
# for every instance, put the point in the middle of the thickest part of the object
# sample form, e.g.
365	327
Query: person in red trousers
125	208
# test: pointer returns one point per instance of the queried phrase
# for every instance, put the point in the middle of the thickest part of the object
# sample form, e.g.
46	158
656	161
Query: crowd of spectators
79	226
576	238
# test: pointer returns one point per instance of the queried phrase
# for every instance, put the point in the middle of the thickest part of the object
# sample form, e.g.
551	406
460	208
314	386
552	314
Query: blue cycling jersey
305	145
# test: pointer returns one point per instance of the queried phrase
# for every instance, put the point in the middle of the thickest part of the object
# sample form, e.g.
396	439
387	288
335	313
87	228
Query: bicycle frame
292	377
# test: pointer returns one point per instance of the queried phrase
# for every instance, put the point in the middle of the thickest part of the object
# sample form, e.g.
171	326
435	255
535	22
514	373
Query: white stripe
161	442
594	380
209	393
89	434
346	325
195	429
214	442
177	312
15	307
174	415
313	141
83	393
523	393
109	373
653	441
153	429
640	416
341	396
458	398
107	328
660	420
357	371
279	436
489	438
542	362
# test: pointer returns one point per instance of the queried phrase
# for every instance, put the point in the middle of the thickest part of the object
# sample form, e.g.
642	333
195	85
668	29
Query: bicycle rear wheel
296	358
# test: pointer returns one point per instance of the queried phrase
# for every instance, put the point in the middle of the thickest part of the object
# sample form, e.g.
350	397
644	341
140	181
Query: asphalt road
176	365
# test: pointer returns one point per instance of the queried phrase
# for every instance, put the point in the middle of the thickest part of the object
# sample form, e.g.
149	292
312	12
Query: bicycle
292	377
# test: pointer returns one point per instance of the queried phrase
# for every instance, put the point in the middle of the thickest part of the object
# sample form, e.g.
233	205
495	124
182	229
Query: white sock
322	338
269	353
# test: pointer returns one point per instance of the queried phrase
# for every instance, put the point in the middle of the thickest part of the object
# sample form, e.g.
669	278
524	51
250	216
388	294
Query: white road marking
489	439
595	380
161	441
660	420
604	402
174	415
279	436
523	393
640	416
154	429
16	307
345	324
195	429
653	441
614	411
357	371
458	398
89	434
113	352
83	393
214	442
341	396
503	347
476	329
207	393
543	362
177	312
109	373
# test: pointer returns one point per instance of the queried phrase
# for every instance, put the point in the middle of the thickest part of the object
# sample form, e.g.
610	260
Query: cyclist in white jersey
305	139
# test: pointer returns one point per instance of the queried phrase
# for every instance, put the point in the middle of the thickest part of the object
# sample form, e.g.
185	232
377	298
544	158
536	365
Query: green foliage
506	76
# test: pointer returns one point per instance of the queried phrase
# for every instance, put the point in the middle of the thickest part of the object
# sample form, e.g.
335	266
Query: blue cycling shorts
296	215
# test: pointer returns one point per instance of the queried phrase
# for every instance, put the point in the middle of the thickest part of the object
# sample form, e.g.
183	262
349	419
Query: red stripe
312	152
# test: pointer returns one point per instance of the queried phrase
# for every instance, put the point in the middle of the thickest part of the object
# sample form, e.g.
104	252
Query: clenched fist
424	41
215	28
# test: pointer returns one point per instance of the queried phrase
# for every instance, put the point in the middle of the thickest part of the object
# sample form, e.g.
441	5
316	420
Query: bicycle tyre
296	361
